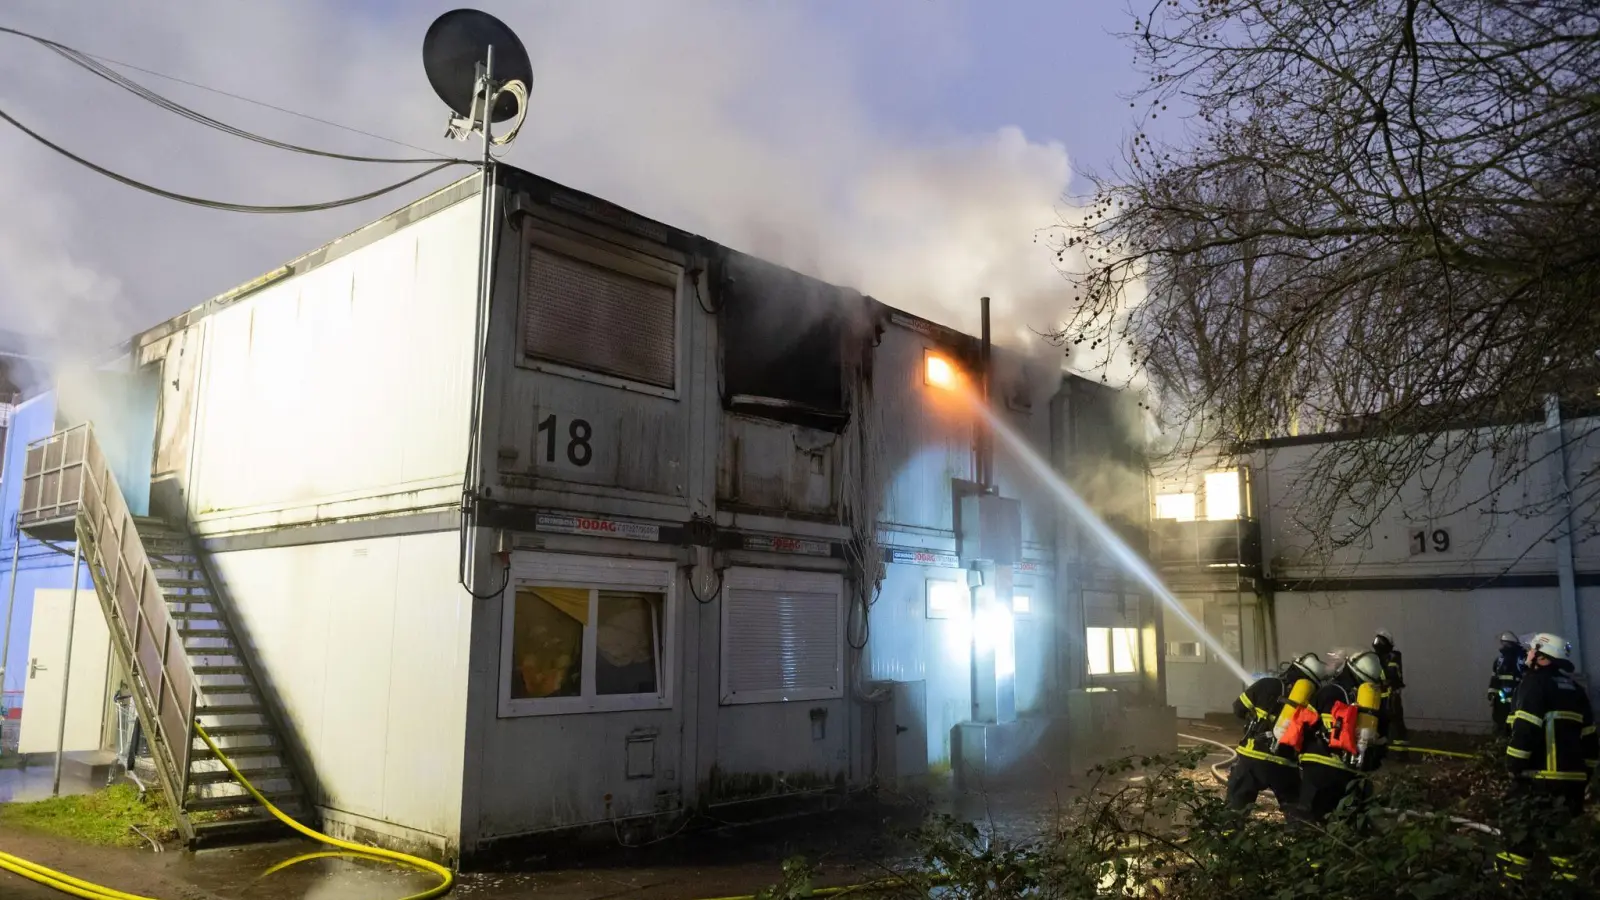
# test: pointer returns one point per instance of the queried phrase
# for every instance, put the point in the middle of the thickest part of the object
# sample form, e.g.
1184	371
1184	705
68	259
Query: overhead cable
90	64
217	204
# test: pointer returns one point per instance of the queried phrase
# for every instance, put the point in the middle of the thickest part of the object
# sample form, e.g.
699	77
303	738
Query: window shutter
781	645
591	317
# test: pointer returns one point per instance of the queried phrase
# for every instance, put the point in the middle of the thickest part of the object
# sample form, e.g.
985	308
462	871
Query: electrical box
991	529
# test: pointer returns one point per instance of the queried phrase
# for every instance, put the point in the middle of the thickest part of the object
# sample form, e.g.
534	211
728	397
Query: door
46	666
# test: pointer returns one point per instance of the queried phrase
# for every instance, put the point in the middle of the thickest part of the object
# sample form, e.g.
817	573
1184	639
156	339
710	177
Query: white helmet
1552	645
1312	665
1507	637
1385	636
1366	667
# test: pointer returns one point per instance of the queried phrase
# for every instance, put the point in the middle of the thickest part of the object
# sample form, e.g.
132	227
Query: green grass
101	818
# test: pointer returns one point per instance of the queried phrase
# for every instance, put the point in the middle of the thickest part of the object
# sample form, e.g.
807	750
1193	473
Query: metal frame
66	479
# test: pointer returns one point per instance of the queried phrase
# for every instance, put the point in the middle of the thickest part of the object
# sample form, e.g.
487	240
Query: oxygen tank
1368	696
1299	696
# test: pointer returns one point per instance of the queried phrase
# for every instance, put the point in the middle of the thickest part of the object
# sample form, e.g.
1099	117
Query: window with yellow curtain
585	642
547	642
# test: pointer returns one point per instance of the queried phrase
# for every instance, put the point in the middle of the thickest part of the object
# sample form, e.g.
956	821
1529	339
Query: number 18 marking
579	431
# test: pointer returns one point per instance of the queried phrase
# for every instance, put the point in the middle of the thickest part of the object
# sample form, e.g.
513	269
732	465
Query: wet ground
856	843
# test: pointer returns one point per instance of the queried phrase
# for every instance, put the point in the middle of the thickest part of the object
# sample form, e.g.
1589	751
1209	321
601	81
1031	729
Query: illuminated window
1222	495
1175	506
1124	650
1021	604
1113	651
944	598
1099	640
939	372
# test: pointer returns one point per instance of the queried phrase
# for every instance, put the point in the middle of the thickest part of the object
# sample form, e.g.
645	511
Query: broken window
784	340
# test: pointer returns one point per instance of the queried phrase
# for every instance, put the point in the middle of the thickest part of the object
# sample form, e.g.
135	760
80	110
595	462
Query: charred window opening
786	342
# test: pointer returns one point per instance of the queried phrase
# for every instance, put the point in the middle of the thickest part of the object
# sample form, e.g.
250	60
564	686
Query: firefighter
1503	681
1269	751
1344	743
1392	720
1554	749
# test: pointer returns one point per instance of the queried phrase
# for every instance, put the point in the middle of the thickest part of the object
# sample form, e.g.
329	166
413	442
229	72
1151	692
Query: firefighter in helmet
1552	755
1503	681
1343	744
1553	749
1269	751
1392	720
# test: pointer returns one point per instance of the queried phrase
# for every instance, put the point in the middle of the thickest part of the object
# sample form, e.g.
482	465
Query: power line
216	204
91	64
261	103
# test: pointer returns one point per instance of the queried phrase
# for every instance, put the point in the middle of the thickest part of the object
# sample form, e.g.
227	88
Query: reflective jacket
1552	728
1393	672
1259	706
1316	751
1507	673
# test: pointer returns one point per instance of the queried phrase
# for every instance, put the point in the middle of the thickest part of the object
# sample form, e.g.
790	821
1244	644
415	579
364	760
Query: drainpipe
1571	626
11	605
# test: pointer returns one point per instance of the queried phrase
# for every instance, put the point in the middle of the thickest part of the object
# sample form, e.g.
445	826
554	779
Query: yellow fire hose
77	887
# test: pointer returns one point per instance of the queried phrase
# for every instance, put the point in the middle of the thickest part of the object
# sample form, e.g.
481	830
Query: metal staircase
177	640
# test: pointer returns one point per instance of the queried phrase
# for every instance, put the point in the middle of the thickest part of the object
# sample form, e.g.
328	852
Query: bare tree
1383	217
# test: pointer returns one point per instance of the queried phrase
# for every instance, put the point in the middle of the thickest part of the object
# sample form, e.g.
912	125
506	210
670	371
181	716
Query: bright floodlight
938	371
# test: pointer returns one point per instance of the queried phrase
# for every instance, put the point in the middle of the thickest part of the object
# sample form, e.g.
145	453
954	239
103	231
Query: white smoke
741	121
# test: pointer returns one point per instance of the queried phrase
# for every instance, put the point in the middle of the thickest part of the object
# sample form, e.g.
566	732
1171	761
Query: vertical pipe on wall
985	438
1566	577
11	602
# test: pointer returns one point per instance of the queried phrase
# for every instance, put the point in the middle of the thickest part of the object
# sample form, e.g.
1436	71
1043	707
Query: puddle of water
278	872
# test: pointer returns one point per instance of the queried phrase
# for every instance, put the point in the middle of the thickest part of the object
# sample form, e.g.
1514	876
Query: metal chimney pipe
985	436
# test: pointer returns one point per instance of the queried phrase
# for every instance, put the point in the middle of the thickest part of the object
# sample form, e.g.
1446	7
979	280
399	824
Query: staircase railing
67	478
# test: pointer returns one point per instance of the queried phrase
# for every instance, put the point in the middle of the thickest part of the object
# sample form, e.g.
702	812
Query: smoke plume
741	121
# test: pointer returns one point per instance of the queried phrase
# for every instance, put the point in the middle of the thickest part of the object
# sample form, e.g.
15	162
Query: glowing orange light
938	372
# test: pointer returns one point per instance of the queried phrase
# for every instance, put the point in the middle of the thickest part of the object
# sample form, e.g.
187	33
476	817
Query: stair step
234	801
226	689
221	670
239	830
218	731
204	615
236	753
256	776
184	584
229	709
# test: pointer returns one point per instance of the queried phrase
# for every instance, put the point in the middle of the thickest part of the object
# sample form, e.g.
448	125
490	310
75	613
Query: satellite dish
457	43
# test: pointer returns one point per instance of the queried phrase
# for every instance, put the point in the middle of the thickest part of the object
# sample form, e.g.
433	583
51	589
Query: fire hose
87	890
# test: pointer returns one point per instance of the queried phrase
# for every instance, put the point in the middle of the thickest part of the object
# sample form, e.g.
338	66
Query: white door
45	667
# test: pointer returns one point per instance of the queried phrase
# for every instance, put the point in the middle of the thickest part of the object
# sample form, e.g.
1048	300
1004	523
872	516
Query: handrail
67	476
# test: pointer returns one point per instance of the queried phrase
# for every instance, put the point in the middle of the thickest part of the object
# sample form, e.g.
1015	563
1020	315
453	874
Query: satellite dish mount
479	68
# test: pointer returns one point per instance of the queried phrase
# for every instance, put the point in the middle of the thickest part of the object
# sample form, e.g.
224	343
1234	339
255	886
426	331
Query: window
1222	495
945	598
1175	506
1113	651
585	636
1021	604
782	636
1183	644
591	311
